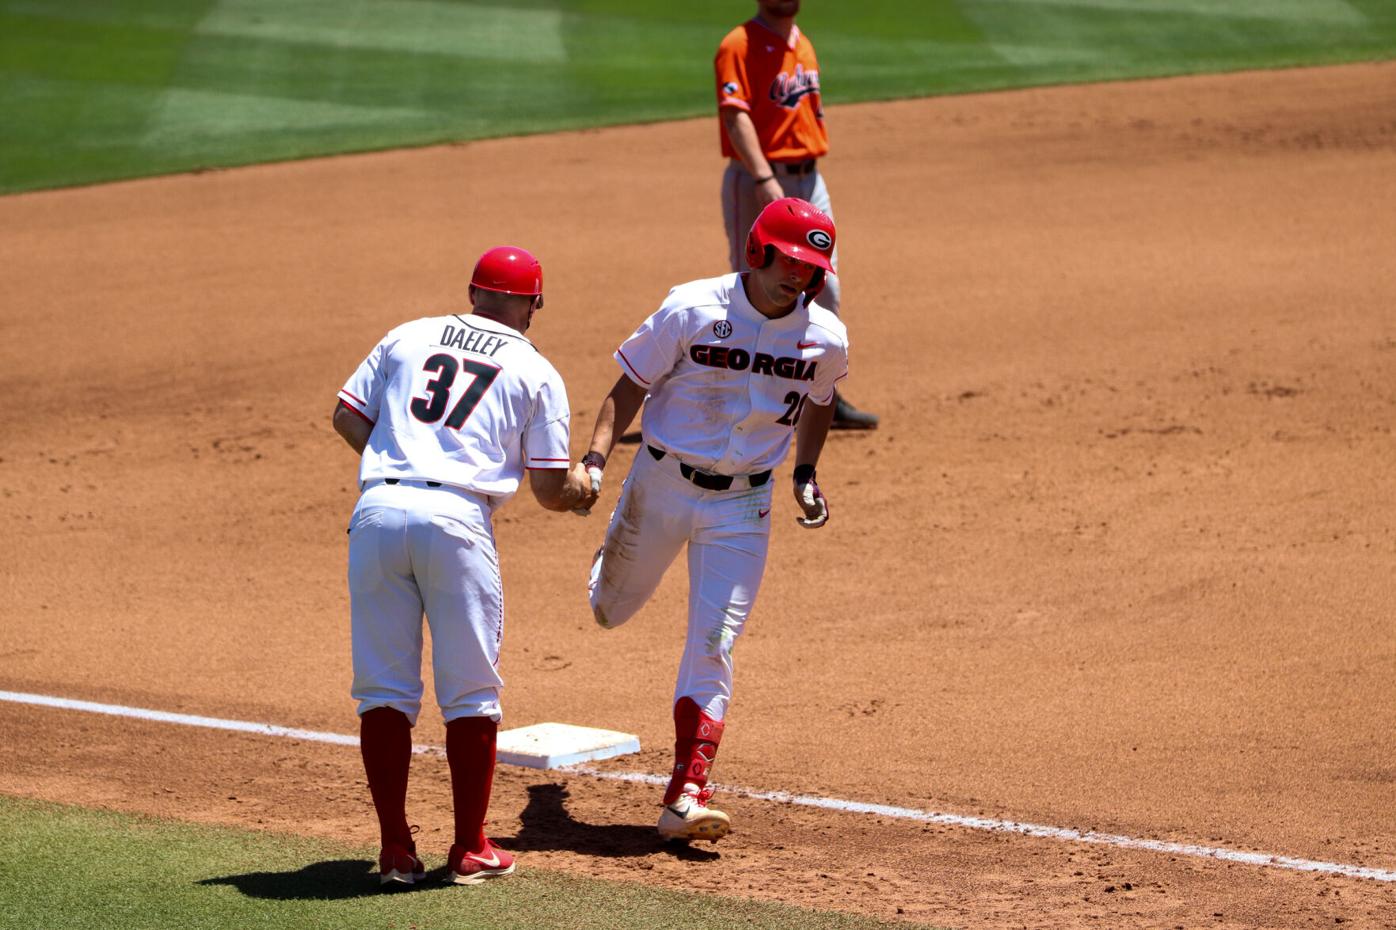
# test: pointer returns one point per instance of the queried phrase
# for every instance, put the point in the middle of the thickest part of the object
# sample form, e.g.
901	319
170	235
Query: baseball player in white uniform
447	412
733	368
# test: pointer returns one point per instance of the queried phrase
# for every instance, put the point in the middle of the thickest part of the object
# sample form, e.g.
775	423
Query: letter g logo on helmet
796	229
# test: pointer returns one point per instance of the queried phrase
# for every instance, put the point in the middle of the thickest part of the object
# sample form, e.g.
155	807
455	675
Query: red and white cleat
466	868
690	817
398	865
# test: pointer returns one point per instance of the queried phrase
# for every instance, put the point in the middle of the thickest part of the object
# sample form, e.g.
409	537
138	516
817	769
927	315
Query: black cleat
847	416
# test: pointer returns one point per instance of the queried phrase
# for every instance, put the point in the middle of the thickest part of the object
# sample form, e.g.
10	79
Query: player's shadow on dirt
332	880
547	824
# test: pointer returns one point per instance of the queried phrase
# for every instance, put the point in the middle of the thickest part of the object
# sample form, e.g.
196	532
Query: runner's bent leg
650	524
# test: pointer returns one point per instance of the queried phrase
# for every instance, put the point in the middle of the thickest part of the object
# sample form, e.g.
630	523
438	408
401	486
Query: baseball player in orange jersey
730	370
447	413
773	135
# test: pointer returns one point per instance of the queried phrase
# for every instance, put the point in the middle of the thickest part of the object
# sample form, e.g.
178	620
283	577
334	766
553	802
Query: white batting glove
810	499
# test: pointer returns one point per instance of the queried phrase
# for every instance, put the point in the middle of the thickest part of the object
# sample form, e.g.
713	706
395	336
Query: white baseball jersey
726	388
464	400
726	383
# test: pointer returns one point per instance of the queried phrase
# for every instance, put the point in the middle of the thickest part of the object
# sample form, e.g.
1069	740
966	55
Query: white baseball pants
728	534
414	548
739	213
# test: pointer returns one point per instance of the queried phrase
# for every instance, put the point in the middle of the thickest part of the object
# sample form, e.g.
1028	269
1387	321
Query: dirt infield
1123	556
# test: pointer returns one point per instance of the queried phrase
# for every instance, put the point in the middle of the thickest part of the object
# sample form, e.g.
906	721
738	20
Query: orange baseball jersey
777	82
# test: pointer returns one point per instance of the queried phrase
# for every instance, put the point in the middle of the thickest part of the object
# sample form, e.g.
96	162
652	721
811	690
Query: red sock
470	753
696	736
385	739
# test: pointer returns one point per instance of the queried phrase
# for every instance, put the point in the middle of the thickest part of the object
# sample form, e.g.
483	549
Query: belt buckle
714	482
704	480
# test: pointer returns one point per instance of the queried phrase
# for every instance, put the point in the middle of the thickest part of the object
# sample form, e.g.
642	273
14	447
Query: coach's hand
810	499
591	471
585	483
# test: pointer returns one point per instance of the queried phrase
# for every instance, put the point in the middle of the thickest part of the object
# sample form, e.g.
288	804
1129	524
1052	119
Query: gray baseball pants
739	212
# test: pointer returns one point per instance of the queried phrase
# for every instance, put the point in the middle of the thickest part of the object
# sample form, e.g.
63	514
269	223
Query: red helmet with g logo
509	270
793	227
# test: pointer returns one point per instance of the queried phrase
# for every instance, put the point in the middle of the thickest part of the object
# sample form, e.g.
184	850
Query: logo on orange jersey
787	90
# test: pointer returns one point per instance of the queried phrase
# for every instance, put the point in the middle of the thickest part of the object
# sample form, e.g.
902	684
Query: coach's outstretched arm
559	489
617	410
810	434
562	489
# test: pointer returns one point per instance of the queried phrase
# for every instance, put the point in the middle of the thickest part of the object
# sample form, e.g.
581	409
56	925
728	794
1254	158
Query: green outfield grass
93	870
100	89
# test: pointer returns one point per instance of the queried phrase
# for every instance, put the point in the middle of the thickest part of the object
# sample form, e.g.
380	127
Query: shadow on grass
547	824
333	880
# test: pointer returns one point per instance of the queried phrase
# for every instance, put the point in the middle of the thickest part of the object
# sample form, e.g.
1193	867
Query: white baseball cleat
690	818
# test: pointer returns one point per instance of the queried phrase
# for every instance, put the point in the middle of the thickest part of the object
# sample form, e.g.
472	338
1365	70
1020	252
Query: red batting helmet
509	270
795	228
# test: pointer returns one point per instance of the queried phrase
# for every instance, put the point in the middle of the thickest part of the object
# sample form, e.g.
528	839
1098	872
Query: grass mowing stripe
405	26
63	49
1305	10
210	114
94	870
78	103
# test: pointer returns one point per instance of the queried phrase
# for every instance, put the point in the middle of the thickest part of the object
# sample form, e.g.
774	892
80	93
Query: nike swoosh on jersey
805	345
761	514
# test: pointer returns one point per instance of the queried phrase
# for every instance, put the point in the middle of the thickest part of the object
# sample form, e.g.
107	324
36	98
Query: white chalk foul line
781	797
1026	829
